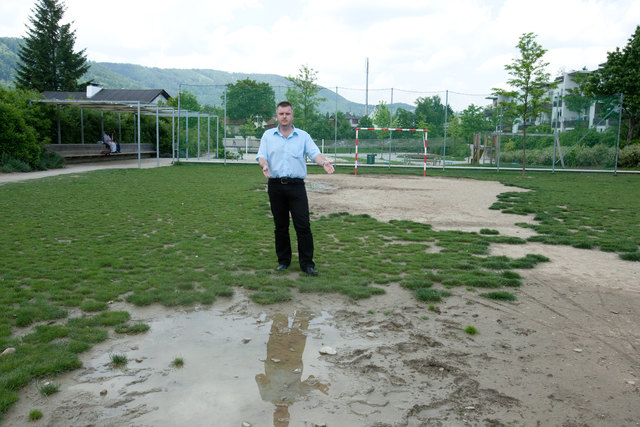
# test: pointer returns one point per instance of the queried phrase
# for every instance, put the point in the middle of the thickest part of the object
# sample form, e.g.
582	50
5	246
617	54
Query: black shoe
311	271
282	267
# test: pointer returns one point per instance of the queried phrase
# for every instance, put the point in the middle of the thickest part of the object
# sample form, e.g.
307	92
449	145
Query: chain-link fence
570	131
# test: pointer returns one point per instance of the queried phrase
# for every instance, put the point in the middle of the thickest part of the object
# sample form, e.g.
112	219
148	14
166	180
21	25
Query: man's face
284	115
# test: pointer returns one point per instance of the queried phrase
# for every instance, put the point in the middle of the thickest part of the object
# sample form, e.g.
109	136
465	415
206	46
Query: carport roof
116	106
144	96
118	100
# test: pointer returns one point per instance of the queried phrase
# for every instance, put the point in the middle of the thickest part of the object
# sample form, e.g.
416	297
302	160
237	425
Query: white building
560	116
565	119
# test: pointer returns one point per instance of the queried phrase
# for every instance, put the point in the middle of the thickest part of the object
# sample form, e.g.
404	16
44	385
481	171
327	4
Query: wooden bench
435	159
74	153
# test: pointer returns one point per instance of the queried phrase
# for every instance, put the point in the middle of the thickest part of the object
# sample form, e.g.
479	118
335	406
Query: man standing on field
282	156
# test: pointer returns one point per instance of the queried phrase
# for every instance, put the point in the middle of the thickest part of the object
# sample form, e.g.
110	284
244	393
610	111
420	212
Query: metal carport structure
137	108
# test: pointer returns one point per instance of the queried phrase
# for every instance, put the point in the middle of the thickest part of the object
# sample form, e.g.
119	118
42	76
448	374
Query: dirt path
84	167
567	353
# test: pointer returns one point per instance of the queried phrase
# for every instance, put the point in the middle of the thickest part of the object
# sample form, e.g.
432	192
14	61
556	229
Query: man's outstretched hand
328	167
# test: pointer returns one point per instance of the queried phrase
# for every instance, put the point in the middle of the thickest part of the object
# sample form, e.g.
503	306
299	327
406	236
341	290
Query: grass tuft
488	231
35	415
417	284
630	256
49	388
471	330
118	359
93	306
134	329
499	295
271	296
431	295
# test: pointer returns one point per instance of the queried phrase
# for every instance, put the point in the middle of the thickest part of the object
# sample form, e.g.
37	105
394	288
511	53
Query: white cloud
460	45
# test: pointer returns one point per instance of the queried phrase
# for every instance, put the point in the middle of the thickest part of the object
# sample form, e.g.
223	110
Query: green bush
535	157
51	160
598	156
582	147
588	137
17	139
10	164
629	156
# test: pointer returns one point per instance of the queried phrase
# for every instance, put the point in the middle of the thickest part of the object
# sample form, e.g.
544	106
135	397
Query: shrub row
598	156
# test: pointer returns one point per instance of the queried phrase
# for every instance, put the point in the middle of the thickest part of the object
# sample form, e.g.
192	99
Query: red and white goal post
424	132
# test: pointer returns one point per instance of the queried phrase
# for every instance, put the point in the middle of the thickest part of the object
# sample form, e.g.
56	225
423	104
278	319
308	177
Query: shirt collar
277	130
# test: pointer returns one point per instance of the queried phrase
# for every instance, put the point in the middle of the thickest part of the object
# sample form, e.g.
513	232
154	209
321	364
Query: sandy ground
565	354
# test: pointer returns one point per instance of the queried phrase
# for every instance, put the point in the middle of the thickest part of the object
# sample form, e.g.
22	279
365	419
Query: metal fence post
615	167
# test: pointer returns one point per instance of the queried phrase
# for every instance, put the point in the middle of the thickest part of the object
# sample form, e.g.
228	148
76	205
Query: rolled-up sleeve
262	149
311	148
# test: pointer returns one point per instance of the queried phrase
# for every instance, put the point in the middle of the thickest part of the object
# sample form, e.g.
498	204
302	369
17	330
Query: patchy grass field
186	235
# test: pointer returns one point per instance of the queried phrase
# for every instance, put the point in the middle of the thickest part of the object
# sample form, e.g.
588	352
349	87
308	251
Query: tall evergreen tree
47	58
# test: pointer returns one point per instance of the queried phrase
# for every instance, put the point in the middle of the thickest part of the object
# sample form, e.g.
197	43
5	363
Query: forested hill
207	85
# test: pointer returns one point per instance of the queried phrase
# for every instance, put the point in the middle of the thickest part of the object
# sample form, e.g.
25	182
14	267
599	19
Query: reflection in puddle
281	383
234	372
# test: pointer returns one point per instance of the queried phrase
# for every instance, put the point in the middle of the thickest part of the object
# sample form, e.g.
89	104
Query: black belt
286	180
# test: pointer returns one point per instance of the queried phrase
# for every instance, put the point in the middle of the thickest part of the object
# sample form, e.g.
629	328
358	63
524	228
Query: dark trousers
285	199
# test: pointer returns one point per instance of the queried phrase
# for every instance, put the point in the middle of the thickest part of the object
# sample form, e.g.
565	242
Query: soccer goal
424	133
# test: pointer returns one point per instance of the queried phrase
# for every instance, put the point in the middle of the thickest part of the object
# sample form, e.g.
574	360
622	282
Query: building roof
121	100
144	96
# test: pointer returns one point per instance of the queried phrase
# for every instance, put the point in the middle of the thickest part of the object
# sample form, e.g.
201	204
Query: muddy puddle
260	370
397	363
236	370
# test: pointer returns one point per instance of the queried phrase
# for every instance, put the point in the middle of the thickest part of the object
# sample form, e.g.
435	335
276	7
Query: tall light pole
178	144
494	103
366	96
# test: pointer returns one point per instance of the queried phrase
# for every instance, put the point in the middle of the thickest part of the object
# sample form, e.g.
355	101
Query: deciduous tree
530	82
248	99
430	114
303	95
577	98
366	122
382	119
186	100
621	74
404	119
472	121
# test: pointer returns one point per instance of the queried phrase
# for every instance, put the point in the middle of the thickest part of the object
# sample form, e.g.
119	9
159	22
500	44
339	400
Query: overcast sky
417	47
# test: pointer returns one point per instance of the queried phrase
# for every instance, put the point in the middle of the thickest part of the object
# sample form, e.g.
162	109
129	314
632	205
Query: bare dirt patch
566	353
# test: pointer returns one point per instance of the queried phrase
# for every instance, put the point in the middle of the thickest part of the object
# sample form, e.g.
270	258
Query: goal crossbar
424	132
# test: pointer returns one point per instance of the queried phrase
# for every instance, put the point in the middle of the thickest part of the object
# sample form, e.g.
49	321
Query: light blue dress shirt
286	157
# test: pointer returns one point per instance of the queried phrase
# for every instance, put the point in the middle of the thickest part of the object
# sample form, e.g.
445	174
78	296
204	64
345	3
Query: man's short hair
284	104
